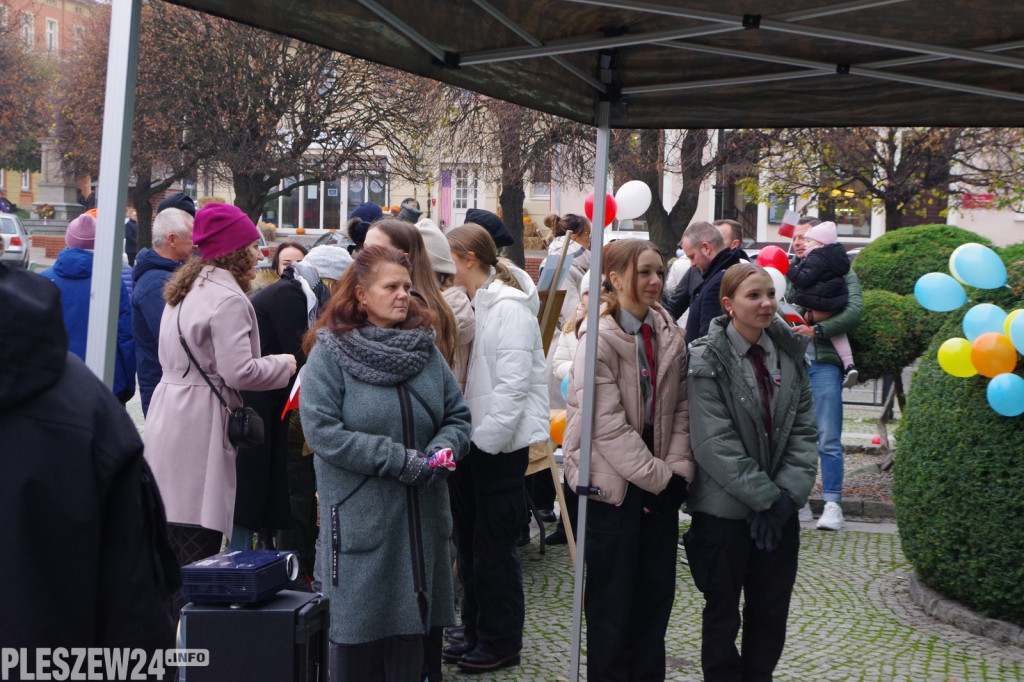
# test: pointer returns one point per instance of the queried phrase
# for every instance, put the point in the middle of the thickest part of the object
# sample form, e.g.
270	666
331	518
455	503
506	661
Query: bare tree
25	90
911	173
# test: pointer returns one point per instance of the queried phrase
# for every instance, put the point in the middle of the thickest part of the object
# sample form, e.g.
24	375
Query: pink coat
186	429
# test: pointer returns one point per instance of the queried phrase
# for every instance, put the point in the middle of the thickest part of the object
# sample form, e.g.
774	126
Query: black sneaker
850	376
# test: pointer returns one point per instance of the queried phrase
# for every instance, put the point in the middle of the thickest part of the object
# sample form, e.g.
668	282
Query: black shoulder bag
245	426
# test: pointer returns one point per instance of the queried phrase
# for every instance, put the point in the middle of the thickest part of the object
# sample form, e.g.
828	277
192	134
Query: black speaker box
285	638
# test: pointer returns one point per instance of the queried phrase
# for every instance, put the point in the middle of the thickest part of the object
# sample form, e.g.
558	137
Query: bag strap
421	401
412	493
192	361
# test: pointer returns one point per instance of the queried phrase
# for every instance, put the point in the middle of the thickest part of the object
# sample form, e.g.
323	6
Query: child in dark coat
820	284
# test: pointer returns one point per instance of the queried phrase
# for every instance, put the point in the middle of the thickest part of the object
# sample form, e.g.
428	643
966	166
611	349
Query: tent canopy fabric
692	64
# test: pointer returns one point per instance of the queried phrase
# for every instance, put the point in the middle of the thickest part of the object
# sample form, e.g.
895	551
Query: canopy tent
694	64
628	64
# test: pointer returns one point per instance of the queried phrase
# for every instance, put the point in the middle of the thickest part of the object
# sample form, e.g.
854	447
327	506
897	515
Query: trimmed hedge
959	482
893	332
896	260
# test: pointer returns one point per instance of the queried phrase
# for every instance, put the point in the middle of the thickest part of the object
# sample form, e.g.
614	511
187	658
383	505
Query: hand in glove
442	464
766	526
416	470
674	493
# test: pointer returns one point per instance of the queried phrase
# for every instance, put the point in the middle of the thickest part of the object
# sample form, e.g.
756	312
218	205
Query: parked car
17	242
334	238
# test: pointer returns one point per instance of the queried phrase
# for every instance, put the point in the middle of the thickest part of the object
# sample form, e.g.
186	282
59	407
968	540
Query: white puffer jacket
506	383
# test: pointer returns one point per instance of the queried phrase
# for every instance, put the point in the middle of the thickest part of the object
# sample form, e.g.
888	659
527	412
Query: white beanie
585	284
822	232
437	247
330	262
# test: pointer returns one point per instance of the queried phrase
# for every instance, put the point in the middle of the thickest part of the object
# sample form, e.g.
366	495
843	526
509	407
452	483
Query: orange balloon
993	354
558	427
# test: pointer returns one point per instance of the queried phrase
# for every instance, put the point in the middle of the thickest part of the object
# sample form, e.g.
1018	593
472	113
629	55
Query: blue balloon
565	387
1017	333
939	292
982	318
1006	394
978	266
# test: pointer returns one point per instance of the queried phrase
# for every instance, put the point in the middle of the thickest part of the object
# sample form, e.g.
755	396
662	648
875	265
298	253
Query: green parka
738	469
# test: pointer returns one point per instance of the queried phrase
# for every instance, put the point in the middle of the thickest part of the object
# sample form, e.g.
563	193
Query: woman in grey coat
385	519
755	441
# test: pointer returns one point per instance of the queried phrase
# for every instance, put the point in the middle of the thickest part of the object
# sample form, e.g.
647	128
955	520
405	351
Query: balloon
939	292
978	266
1006	394
558	426
633	199
982	318
773	257
779	280
993	354
1016	329
1010	317
955	357
565	387
609	208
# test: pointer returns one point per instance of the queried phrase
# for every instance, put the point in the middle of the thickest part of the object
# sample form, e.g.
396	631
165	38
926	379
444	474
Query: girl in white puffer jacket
506	390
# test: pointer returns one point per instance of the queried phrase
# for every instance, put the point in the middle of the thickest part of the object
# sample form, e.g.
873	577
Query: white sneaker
805	514
831	517
850	376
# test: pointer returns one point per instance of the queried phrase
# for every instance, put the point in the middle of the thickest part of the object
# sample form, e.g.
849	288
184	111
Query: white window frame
26	181
460	188
79	36
3	17
52	36
28	29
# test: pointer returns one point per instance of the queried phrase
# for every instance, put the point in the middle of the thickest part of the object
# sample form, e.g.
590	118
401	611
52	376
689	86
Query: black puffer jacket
86	559
818	279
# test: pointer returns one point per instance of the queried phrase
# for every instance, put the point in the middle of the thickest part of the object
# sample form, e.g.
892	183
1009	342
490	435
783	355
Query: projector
238	577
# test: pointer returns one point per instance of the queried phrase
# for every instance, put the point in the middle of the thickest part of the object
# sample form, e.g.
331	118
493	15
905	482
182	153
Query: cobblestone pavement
851	619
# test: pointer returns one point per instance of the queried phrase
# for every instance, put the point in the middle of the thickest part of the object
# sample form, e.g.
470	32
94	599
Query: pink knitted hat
220	229
81	233
822	232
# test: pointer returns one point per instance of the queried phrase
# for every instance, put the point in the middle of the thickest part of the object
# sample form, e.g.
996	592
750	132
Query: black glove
766	526
416	470
674	493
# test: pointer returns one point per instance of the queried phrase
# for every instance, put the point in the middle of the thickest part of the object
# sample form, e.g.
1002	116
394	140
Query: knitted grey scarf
383	357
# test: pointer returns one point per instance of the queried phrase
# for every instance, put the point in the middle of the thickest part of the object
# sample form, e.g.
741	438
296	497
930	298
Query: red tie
645	329
764	385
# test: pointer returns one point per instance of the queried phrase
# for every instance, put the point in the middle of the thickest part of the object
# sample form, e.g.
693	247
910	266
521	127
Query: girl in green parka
754	438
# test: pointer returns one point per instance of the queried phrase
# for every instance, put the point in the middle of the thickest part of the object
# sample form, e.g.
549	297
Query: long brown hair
622	256
239	263
570	222
342	312
405	237
475	243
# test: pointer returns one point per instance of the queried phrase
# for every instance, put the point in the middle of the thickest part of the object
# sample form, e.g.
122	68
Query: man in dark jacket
172	245
86	559
131	236
704	245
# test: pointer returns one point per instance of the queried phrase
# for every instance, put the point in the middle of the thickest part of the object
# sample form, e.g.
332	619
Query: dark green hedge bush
959	482
896	260
893	332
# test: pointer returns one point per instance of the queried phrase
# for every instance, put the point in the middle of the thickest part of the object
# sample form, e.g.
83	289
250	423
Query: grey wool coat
355	431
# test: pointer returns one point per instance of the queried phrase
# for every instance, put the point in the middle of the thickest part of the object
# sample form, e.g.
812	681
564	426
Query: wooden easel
551	303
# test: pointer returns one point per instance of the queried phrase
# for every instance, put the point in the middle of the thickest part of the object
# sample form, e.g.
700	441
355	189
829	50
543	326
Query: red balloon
773	257
609	208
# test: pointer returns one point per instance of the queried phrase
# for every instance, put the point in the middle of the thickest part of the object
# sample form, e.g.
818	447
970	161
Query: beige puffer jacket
619	455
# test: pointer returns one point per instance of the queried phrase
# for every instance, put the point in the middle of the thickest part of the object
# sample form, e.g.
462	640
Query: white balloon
632	200
779	280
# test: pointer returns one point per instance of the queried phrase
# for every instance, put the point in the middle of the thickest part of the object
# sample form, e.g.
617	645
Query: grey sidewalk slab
851	619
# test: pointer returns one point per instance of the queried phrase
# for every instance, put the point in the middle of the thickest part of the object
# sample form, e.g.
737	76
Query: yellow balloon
1009	319
955	357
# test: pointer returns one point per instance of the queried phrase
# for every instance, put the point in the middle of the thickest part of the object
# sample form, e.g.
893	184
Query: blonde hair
622	256
475	243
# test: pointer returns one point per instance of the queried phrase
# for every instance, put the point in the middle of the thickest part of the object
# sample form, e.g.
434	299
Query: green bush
959	483
896	260
893	332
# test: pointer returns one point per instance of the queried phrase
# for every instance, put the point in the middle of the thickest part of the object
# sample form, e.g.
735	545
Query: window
542	182
26	181
28	29
3	17
52	36
777	207
461	188
79	36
